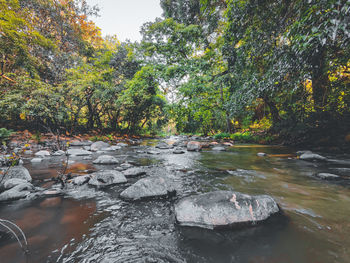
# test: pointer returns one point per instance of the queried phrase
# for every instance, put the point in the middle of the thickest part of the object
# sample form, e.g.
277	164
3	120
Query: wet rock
219	149
36	160
10	183
80	180
87	158
134	172
229	144
261	154
194	146
97	146
42	153
78	152
106	159
126	165
106	178
121	144
309	156
59	153
53	192
224	209
18	172
153	152
327	176
27	152
178	151
111	148
80	143
163	146
18	192
149	187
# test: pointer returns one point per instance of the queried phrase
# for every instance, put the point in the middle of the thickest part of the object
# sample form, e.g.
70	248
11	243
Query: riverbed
95	225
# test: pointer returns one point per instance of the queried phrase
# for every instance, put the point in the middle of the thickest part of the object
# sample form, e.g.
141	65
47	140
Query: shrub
5	135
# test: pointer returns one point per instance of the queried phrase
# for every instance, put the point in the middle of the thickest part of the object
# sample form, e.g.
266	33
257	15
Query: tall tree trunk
320	80
273	110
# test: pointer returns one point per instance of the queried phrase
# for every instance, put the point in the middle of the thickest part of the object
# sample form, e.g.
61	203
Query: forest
254	70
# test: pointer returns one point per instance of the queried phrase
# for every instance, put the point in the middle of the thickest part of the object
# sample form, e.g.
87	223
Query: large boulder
134	172
78	152
224	209
310	156
17	192
194	146
97	146
106	178
106	159
149	187
18	172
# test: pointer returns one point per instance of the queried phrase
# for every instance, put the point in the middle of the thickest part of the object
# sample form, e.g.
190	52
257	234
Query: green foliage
223	135
5	135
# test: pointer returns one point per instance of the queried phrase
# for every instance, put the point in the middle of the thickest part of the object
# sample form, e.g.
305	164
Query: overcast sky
125	17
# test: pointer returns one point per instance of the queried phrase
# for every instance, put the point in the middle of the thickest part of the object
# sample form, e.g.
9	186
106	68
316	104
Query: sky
124	18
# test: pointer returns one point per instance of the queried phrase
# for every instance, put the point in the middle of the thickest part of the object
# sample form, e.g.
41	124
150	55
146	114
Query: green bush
223	135
4	135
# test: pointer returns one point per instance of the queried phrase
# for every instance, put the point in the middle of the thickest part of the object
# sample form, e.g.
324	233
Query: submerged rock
78	152
224	209
327	176
97	146
194	146
133	172
106	178
106	159
309	156
148	188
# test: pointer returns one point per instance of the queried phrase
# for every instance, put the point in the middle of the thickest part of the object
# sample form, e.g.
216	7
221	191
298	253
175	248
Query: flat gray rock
42	153
78	152
97	146
18	192
134	172
59	153
328	176
309	156
106	178
224	209
148	188
106	159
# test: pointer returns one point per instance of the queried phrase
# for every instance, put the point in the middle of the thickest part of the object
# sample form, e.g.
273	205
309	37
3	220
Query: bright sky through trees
125	17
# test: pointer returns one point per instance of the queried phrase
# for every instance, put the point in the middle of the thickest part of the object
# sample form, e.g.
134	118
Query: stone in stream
106	159
19	172
111	148
148	188
97	146
78	152
80	180
194	146
261	154
163	146
178	151
153	152
310	156
121	144
327	176
59	153
10	183
42	153
80	143
224	209
106	178
134	172
219	149
18	192
36	160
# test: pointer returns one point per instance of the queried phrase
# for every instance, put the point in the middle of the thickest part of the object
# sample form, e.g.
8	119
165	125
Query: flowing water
89	225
